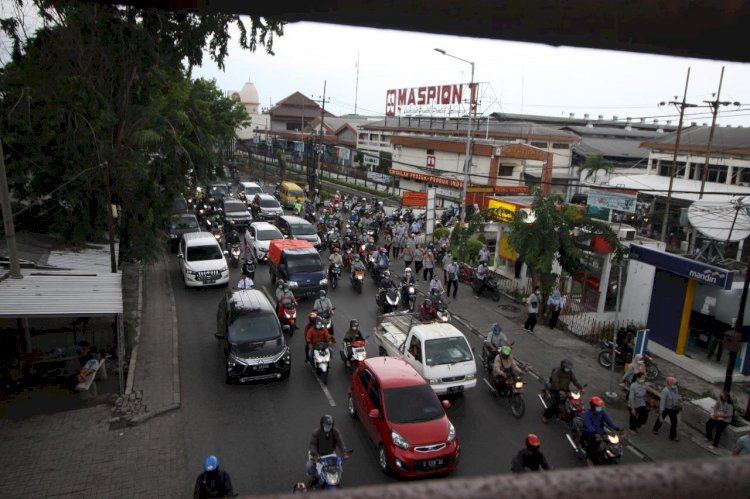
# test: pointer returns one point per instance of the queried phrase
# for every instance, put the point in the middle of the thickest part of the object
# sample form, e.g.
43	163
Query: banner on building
380	178
411	198
371	159
613	199
433	100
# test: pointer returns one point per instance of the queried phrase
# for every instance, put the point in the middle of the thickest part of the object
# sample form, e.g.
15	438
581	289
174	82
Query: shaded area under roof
686	190
453	125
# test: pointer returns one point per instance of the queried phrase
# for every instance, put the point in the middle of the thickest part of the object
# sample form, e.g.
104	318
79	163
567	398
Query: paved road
261	431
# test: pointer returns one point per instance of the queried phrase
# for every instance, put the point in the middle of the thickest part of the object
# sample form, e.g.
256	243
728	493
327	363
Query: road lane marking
325	391
638	453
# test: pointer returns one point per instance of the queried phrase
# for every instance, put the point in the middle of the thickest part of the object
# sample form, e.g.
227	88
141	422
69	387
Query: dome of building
249	97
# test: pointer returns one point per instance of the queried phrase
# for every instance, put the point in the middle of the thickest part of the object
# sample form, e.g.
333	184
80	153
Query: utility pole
315	174
682	105
356	85
10	231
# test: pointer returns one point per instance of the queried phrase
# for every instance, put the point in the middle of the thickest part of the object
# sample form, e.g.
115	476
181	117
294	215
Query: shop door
665	312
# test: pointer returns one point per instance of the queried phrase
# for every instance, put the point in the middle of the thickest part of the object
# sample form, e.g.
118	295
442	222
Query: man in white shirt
245	282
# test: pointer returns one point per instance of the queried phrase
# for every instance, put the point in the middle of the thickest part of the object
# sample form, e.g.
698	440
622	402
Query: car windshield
302	229
179	223
268	234
412	404
447	351
218	190
269	203
233	207
252	327
296	194
179	204
200	253
309	262
251	191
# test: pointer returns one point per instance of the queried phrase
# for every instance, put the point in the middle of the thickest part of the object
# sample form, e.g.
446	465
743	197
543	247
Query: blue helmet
211	463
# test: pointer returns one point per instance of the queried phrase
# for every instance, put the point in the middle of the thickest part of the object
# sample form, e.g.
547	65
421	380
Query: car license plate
260	367
209	280
434	463
452	389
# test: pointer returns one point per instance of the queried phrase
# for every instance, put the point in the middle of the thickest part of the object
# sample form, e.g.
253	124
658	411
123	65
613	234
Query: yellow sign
480	189
506	252
506	210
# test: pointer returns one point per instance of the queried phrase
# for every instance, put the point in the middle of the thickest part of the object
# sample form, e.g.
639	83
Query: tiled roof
459	126
620	148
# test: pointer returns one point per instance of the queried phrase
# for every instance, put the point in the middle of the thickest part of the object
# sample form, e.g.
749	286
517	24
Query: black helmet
354	324
427	302
326	423
565	364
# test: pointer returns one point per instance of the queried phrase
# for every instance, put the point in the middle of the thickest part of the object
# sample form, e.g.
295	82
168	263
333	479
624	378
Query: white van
248	190
202	261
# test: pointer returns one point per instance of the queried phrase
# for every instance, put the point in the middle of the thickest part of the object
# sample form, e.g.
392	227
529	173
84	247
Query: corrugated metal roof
84	287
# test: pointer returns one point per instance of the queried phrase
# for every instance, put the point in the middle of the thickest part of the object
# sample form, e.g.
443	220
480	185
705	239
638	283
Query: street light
468	135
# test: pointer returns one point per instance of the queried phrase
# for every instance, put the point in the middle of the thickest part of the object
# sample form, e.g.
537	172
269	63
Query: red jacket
314	336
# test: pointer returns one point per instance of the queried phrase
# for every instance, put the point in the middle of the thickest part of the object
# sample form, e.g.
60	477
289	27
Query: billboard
613	199
411	198
433	99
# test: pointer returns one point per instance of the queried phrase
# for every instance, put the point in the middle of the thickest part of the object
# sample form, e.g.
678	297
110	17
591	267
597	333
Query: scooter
488	287
409	296
605	360
389	302
609	450
357	277
249	267
328	471
234	254
356	352
288	317
571	411
335	275
321	360
441	309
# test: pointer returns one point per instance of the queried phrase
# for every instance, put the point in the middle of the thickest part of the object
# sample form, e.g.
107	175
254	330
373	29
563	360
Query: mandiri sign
684	267
613	199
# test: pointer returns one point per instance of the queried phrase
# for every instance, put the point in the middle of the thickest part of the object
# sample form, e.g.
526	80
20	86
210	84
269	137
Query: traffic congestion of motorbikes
355	235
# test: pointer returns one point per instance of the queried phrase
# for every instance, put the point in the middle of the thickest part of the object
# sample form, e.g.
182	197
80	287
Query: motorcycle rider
382	262
479	278
357	265
436	284
245	282
407	280
496	339
324	440
233	237
283	295
335	259
297	207
213	482
594	420
324	307
504	365
384	285
530	458
352	334
427	312
559	384
313	336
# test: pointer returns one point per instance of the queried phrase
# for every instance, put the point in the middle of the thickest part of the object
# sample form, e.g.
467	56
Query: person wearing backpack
451	272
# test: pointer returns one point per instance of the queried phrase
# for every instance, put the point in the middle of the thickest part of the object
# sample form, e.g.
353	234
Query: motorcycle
605	359
509	388
609	450
328	471
327	321
348	256
409	296
356	351
441	309
321	360
357	277
388	301
234	254
249	267
570	412
465	273
288	317
488	287
335	275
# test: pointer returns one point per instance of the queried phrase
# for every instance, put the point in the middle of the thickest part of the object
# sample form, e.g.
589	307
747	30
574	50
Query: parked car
248	190
179	206
257	238
251	339
265	207
404	418
202	261
235	211
179	225
298	228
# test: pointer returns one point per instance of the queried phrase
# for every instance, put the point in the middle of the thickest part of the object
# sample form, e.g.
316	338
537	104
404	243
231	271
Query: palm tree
593	164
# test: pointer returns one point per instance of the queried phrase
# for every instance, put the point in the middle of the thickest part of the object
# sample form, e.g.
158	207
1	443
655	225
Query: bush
440	232
472	249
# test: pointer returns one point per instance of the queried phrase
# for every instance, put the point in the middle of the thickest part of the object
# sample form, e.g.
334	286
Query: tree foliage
594	164
557	232
99	83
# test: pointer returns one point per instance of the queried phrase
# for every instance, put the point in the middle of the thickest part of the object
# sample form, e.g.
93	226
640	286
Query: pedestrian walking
554	305
484	255
428	260
637	402
669	407
396	244
532	307
722	415
451	279
387	243
408	256
418	258
447	260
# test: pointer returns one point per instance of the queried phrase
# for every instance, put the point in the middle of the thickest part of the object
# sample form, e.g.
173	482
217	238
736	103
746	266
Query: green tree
556	232
593	165
100	83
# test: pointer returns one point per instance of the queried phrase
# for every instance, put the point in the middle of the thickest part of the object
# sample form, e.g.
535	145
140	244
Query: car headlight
451	433
399	441
231	363
173	236
293	284
435	381
223	269
323	282
471	376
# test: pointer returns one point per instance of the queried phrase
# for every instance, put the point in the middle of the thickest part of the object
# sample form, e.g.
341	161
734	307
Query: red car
404	418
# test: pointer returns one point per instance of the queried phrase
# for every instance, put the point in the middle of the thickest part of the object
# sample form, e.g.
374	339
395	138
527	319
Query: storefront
692	303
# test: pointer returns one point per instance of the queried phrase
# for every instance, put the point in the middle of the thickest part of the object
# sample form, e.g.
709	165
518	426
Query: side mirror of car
374	413
446	404
180	255
220	336
226	253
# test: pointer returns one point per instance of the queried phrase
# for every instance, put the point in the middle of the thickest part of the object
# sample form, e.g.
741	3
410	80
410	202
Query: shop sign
426	178
430	161
370	159
411	198
480	188
437	99
684	267
511	189
613	199
506	210
520	151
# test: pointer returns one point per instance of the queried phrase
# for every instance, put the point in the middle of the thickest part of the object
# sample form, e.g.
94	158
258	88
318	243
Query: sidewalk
545	348
78	454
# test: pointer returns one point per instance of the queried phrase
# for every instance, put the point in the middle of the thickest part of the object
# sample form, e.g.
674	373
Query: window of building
505	171
557	145
745	176
362	136
431	151
666	166
541	145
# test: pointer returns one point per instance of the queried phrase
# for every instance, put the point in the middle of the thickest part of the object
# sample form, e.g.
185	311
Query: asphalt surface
261	431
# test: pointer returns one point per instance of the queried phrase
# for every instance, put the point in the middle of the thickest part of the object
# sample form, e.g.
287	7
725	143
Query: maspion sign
438	99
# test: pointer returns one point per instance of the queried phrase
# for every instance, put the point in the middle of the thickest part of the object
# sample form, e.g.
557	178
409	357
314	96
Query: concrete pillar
604	283
730	172
649	165
687	168
739	250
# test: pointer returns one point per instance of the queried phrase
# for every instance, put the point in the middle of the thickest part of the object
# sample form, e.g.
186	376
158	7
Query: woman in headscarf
554	305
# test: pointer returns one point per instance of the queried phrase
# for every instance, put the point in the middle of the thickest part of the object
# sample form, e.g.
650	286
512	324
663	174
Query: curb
175	341
136	340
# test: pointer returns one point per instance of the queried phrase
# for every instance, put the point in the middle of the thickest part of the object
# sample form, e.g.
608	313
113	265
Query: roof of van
250	184
250	299
291	184
199	236
295	220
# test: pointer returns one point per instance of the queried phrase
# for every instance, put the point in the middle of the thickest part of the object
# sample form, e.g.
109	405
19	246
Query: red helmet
532	440
382	250
596	402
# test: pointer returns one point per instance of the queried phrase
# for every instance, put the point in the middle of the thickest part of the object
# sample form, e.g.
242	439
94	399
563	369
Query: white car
258	236
202	261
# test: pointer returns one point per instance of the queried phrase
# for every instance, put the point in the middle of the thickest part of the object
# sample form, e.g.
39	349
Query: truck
437	350
297	263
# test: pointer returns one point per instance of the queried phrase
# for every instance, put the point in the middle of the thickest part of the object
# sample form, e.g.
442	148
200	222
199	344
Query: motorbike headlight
173	236
323	282
360	276
293	284
451	433
411	289
518	384
217	236
614	438
399	441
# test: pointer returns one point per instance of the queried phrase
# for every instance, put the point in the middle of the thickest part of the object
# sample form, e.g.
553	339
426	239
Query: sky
516	77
